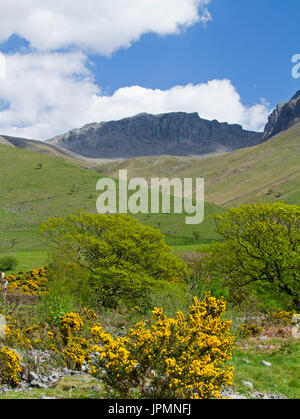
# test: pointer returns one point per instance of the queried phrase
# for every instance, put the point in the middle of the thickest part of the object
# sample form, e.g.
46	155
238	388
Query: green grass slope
55	151
269	171
36	186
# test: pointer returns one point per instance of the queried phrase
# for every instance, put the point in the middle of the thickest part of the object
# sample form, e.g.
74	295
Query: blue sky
249	42
219	58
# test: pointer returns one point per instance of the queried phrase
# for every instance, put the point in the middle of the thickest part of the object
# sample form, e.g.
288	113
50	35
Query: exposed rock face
283	117
152	135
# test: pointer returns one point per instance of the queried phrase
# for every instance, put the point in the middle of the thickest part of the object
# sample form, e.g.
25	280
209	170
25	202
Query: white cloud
46	93
51	93
99	25
2	66
217	99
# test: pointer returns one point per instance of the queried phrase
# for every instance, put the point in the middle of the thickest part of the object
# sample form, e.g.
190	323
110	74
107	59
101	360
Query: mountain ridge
146	135
283	117
175	133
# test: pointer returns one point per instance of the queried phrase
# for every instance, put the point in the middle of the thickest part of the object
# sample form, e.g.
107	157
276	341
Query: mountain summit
283	117
177	133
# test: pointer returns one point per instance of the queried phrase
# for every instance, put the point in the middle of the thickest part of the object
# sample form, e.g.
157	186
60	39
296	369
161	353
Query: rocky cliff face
176	133
283	117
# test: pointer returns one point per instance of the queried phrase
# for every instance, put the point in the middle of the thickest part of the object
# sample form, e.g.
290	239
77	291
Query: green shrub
7	263
250	330
261	251
54	305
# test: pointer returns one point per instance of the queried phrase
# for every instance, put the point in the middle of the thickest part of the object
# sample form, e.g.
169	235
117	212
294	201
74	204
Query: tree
261	249
125	259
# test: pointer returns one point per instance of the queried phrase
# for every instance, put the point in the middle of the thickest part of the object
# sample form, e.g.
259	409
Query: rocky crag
283	117
176	133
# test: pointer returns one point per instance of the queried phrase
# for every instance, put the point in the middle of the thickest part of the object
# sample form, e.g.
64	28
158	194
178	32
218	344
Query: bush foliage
10	366
34	282
7	263
124	258
169	358
261	250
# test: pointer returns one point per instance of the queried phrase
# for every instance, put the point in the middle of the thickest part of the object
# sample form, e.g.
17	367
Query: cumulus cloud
46	94
217	99
99	25
2	66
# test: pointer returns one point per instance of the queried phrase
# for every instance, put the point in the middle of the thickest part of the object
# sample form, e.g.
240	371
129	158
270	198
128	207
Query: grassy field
55	151
283	377
269	171
76	387
34	187
30	259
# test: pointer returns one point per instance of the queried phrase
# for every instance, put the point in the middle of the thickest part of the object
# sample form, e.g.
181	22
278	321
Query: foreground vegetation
116	303
282	378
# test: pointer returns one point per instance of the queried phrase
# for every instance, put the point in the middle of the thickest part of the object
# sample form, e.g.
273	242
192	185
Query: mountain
38	180
176	133
267	172
283	117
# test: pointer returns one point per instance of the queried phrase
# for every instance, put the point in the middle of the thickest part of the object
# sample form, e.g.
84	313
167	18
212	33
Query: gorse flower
169	358
34	282
69	322
10	367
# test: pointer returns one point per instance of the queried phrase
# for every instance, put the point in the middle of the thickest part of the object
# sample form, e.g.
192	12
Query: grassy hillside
269	171
36	186
55	151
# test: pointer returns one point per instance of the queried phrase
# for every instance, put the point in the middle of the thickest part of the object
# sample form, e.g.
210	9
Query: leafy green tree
261	249
125	258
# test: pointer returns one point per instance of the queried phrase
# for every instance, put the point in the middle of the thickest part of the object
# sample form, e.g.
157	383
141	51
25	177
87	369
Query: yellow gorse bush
76	352
250	330
72	339
18	337
10	367
282	317
168	358
34	282
70	322
76	348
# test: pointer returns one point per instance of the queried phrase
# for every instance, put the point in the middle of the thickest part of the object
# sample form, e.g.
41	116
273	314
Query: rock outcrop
283	117
176	133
